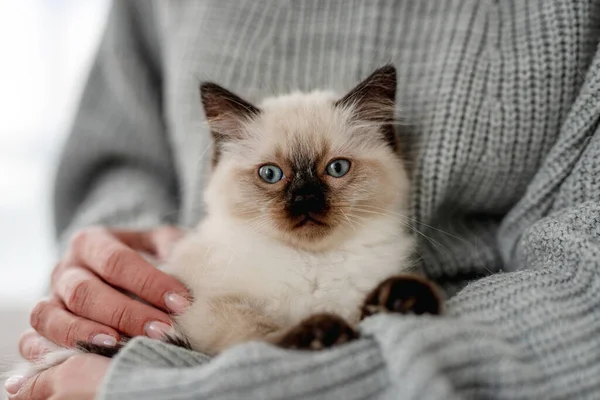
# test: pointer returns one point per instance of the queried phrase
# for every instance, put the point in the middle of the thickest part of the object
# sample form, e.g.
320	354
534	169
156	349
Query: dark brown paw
318	332
404	294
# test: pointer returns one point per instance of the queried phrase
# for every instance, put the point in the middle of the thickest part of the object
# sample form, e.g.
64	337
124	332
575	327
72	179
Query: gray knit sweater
501	103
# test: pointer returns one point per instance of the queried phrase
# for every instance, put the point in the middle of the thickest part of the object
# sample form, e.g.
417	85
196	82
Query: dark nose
305	197
307	200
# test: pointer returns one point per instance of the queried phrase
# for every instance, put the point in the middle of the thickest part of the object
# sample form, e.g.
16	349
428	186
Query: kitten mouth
307	219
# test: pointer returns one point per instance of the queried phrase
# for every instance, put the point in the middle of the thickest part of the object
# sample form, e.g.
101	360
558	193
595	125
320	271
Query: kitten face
308	169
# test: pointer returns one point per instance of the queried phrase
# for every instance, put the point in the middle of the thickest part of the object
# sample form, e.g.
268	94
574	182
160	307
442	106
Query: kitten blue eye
338	168
270	173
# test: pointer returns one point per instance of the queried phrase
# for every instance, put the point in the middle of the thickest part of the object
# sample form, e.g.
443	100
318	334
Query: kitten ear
226	113
374	99
220	103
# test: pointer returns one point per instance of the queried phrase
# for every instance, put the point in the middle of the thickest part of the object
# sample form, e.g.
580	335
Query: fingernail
157	330
14	383
104	340
176	302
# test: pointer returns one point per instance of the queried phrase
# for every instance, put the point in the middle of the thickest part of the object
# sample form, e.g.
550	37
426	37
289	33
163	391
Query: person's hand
79	377
86	303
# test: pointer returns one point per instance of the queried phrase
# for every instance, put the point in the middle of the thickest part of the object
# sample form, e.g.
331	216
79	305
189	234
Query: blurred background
47	47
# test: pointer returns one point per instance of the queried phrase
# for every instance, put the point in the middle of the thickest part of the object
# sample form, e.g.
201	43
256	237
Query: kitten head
310	169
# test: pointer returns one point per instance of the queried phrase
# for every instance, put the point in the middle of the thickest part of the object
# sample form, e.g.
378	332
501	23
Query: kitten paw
404	294
318	332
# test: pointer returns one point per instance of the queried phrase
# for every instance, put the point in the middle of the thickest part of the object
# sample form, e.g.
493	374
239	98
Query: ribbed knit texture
500	103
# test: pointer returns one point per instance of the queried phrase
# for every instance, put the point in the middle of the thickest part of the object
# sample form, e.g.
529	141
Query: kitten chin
306	213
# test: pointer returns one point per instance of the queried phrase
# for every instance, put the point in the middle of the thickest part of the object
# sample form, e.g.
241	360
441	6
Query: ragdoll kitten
306	211
306	207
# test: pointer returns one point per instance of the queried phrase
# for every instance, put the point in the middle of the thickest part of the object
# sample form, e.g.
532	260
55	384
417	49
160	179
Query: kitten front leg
318	332
404	294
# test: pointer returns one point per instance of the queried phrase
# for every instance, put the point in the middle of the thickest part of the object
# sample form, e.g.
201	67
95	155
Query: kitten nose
304	197
307	201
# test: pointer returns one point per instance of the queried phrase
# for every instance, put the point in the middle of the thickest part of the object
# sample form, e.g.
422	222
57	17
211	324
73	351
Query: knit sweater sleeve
532	333
116	167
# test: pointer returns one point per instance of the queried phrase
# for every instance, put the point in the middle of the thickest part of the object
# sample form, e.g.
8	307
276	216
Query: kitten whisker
434	242
347	219
415	221
462	240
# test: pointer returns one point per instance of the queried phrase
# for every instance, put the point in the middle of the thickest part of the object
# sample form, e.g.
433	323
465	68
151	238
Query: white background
46	47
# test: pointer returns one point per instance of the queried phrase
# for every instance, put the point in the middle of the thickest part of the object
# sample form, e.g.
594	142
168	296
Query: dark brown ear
374	100
225	113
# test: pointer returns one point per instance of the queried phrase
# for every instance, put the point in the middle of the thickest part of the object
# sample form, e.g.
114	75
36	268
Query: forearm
152	370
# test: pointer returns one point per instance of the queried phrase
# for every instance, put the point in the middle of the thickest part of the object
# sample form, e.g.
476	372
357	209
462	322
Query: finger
38	387
54	322
157	242
120	266
87	296
32	345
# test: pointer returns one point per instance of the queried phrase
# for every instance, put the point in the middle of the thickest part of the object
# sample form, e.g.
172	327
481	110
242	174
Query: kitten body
247	286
